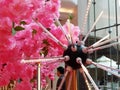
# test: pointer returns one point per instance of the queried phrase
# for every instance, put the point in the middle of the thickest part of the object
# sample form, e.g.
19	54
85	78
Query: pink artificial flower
4	76
27	73
75	31
5	27
28	43
52	76
23	85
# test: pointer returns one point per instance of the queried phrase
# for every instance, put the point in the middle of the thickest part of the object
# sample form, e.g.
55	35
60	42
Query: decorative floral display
21	38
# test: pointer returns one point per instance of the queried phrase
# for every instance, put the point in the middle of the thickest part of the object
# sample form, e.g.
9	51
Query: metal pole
110	49
94	7
117	55
38	77
117	31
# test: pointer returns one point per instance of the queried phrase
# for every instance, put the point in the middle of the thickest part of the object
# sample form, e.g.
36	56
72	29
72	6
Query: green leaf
45	41
70	16
18	28
13	30
44	51
34	31
23	22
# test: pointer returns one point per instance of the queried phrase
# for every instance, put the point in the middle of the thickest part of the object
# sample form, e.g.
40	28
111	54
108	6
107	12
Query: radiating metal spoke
106	69
78	60
65	58
93	26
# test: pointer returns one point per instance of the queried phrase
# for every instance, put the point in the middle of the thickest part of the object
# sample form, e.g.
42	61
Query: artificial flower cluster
21	38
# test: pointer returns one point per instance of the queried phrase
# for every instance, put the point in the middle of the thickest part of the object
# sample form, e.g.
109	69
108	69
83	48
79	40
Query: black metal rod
106	27
95	54
117	55
110	49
